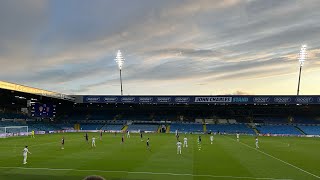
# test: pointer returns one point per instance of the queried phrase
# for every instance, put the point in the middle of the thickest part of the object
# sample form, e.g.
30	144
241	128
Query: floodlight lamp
119	59
302	54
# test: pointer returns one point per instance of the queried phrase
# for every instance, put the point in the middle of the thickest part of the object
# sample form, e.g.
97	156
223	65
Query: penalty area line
148	173
307	172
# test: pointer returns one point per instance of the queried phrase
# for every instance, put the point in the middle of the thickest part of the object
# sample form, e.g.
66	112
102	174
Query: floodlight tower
302	57
120	61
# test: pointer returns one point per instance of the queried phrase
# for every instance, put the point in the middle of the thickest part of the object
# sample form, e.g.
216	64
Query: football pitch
278	158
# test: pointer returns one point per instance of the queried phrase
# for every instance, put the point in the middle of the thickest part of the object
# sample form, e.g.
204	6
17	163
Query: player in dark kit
199	139
62	143
177	135
101	135
122	140
87	138
148	145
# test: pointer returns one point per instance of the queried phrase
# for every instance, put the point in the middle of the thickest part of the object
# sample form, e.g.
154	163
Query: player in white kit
93	142
257	143
25	154
128	134
179	147
238	136
211	139
185	142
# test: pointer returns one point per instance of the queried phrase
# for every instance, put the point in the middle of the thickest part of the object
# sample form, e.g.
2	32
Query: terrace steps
254	128
300	130
103	126
125	127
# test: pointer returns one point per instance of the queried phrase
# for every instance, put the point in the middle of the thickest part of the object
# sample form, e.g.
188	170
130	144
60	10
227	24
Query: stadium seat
143	127
186	128
230	128
310	130
278	129
112	127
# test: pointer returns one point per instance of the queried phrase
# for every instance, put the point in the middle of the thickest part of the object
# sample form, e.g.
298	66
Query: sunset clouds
169	46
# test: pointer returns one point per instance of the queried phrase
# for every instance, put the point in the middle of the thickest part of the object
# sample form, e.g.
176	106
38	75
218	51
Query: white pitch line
279	160
137	172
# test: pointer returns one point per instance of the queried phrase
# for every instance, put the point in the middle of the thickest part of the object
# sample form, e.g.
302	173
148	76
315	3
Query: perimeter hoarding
203	99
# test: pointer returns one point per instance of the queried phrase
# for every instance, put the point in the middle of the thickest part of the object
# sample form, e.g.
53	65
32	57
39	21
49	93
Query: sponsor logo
93	99
182	99
110	99
282	99
213	99
240	99
146	99
304	99
163	99
261	99
128	99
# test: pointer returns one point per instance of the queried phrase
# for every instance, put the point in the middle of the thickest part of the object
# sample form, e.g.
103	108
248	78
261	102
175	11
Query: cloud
239	92
71	45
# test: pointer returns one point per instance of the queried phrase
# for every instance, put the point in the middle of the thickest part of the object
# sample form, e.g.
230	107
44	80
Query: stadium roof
31	90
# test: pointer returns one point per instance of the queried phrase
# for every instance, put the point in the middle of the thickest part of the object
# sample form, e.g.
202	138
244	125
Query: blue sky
170	46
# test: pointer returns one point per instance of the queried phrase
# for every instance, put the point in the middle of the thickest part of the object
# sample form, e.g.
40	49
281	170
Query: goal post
9	131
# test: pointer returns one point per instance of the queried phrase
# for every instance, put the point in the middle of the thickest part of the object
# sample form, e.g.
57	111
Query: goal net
9	131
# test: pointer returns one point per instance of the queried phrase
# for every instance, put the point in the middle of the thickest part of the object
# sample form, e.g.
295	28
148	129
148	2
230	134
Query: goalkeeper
32	134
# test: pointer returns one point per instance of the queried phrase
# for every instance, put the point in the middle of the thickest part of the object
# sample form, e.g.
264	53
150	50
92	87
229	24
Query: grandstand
230	128
310	129
83	114
43	127
278	129
112	127
186	128
91	126
80	115
96	113
143	127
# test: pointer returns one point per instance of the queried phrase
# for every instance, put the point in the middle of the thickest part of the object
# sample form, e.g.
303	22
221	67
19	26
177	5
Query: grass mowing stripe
56	142
137	172
277	159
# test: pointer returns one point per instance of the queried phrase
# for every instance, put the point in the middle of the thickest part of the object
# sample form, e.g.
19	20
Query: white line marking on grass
279	160
137	172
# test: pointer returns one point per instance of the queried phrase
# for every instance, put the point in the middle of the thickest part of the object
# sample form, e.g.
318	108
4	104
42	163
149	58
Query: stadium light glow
120	61
302	54
302	57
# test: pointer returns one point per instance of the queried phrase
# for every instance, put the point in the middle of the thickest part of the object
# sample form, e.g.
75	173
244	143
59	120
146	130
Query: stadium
287	126
176	90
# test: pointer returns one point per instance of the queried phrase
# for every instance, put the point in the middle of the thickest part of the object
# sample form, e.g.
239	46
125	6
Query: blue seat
278	129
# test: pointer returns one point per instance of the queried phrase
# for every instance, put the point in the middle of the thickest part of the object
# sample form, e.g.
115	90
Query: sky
171	47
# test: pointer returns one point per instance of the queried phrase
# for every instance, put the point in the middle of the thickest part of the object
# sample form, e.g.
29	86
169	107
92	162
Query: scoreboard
43	110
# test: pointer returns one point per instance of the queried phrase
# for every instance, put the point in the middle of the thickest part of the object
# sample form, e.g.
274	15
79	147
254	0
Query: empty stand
230	128
186	128
278	129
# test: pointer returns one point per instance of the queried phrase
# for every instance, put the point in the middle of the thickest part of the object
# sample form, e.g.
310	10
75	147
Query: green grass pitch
277	158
